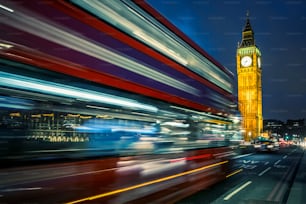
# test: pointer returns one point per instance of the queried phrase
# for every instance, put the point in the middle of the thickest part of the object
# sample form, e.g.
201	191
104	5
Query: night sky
280	34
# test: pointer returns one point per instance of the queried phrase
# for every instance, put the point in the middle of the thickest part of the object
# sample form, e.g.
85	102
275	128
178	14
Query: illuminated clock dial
246	61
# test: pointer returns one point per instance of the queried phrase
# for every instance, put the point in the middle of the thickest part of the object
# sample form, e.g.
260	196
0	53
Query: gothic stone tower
249	83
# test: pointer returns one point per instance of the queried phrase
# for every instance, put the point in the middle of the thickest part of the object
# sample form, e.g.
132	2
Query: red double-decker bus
116	84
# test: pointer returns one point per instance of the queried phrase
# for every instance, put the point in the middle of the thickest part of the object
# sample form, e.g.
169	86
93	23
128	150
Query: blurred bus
84	79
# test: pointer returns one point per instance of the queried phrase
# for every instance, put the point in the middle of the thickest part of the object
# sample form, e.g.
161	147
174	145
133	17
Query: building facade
249	83
292	129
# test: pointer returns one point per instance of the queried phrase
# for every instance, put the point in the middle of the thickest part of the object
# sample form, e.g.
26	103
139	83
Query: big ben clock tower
249	83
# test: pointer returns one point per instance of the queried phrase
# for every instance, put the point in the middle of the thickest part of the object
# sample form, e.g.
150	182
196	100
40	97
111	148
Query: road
123	179
255	178
260	178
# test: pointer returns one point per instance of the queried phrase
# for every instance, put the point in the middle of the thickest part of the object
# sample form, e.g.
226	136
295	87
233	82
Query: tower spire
247	33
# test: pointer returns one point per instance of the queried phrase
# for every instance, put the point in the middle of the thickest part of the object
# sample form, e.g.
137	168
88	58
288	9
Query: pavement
297	194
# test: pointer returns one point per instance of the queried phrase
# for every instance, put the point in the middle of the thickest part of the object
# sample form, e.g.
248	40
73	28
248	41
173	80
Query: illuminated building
249	83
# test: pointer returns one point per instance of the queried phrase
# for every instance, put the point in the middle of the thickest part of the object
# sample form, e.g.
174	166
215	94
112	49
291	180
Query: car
266	145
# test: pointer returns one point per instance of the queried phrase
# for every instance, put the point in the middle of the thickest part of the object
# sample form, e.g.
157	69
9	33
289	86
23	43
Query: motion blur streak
27	83
192	158
148	183
116	103
6	8
156	35
68	38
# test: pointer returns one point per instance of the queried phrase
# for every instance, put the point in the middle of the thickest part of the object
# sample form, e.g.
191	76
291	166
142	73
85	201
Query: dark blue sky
280	34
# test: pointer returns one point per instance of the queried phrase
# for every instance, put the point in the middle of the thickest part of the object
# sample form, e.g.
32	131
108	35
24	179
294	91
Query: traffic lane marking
229	196
264	171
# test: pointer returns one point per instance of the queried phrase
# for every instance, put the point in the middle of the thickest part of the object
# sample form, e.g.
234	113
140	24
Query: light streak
41	86
4	45
153	33
6	8
22	189
203	156
67	38
147	183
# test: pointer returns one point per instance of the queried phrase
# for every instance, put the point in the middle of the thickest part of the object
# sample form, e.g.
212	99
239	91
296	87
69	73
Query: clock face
259	62
246	61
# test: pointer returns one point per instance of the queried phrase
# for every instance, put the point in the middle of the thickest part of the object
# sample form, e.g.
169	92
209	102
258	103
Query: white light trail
41	86
6	8
68	38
